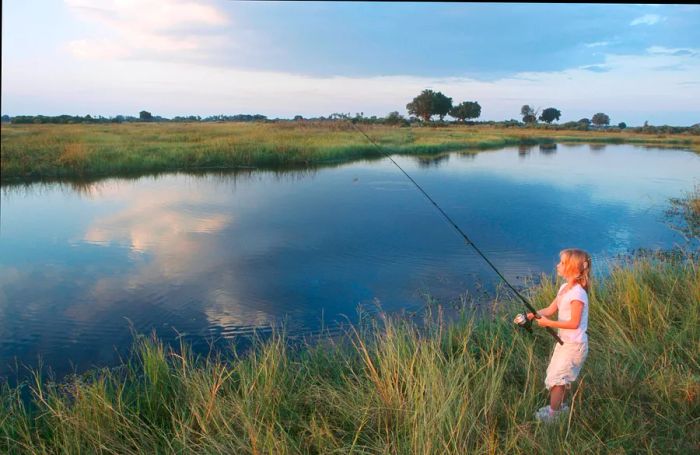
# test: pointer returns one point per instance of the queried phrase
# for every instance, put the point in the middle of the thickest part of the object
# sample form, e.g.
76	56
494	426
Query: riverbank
92	151
458	387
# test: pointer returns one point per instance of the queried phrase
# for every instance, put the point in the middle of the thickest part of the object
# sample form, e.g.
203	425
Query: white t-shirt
564	305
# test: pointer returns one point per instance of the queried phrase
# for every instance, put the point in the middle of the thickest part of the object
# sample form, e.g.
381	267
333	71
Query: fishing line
460	231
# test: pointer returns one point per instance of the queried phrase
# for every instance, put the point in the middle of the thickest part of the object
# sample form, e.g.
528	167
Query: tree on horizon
422	105
600	119
429	103
550	114
466	110
441	105
529	114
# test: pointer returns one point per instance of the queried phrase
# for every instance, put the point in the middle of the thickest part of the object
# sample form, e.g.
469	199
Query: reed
390	385
92	150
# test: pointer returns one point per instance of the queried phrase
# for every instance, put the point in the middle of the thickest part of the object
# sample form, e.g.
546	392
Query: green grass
90	151
684	212
467	386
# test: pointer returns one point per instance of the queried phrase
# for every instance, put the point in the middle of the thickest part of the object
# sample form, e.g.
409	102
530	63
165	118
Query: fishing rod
521	320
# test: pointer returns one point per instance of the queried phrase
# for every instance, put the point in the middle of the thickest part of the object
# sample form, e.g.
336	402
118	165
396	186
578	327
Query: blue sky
177	57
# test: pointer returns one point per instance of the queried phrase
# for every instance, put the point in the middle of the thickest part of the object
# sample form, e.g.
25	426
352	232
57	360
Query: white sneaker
542	412
547	415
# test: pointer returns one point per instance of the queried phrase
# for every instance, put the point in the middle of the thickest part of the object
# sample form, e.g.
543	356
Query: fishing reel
523	322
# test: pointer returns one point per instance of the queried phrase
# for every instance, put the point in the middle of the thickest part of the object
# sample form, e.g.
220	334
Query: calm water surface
211	258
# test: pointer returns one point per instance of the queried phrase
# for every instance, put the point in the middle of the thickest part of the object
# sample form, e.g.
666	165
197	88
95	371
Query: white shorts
566	363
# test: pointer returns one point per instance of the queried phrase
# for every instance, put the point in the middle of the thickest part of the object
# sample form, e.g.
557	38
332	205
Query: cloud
146	28
648	19
633	83
676	67
596	68
597	44
153	225
97	49
179	246
227	311
679	51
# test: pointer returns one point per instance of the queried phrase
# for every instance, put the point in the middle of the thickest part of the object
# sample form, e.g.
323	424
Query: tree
441	105
622	125
550	114
529	114
466	110
600	119
422	105
145	116
394	118
585	121
429	103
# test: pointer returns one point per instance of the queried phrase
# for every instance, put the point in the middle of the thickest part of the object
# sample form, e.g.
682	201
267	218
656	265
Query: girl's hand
543	321
530	316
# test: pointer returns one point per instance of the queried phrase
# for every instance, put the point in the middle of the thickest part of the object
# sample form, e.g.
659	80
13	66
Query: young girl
572	304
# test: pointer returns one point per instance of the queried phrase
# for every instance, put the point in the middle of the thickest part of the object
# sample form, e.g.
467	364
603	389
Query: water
212	258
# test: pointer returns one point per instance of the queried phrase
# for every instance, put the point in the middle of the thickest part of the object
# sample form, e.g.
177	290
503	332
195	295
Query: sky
635	63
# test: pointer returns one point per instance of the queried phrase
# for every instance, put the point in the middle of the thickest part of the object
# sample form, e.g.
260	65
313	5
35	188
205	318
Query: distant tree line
421	110
430	103
144	116
66	119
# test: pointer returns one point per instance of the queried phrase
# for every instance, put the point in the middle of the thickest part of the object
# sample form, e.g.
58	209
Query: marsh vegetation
92	150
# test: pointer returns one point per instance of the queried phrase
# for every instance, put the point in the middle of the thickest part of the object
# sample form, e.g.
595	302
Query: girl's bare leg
556	396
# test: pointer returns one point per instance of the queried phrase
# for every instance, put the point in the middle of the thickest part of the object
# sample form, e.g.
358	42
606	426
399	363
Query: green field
93	151
468	386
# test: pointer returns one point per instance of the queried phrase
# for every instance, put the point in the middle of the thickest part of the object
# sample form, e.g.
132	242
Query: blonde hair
577	263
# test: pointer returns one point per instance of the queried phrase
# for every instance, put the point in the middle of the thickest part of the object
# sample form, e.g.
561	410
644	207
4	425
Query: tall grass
684	214
55	151
388	386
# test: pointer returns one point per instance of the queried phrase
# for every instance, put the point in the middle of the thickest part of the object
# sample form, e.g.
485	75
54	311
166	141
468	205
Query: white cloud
648	19
145	28
97	49
672	51
633	88
598	44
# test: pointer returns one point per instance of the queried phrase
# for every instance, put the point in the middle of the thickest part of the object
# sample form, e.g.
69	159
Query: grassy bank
455	388
56	151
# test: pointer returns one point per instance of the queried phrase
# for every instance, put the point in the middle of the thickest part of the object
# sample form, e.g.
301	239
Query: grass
89	151
685	214
390	387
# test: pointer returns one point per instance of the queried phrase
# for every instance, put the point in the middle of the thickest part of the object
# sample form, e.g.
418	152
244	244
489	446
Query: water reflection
548	149
433	160
216	256
525	150
91	187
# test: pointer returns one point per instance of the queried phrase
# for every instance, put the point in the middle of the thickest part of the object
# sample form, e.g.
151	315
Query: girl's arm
550	310
573	323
